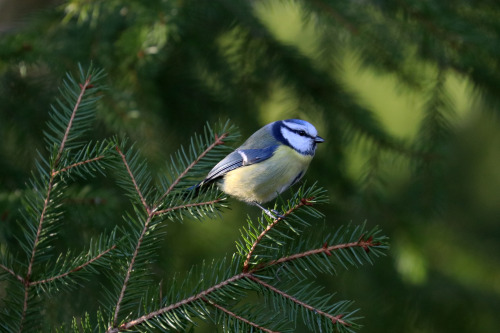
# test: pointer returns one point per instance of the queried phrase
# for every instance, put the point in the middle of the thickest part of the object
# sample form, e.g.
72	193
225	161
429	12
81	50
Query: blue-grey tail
195	190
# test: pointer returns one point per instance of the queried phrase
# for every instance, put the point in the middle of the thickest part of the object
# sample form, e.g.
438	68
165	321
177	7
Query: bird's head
298	134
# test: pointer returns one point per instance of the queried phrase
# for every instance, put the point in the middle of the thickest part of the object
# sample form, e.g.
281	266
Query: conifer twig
83	88
151	212
130	268
132	178
303	202
11	272
76	269
250	274
234	315
56	172
146	317
170	209
365	244
334	319
217	142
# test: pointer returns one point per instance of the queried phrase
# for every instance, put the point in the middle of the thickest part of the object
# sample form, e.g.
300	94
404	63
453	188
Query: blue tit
267	163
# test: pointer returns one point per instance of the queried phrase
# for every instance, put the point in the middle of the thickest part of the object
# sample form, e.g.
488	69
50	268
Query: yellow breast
263	181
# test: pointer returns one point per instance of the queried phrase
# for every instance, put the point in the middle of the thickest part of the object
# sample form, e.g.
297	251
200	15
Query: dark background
404	92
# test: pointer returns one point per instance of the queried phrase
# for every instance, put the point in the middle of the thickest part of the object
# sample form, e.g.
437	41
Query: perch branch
303	202
365	244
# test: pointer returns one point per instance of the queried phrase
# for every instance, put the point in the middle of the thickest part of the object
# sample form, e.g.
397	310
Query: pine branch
197	204
76	269
60	276
41	209
436	127
218	140
234	315
263	240
130	268
11	272
334	319
74	165
362	243
210	294
305	201
152	211
133	323
132	178
252	274
83	87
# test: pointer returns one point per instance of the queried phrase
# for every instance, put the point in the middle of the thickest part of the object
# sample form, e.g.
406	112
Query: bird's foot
272	213
276	213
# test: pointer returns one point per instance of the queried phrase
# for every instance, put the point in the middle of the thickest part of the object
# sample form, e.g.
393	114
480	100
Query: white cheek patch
299	143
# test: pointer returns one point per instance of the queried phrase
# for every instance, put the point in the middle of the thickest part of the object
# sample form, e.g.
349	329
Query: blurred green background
404	92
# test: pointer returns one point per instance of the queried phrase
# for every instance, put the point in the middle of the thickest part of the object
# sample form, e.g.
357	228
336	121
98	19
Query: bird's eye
302	133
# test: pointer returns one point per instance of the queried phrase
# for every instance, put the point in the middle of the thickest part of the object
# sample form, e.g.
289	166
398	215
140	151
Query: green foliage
37	272
404	92
291	227
274	258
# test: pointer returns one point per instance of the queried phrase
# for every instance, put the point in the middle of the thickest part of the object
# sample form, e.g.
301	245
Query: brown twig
76	269
303	202
365	244
171	307
130	269
33	252
83	88
11	272
334	319
250	275
218	141
151	212
47	200
137	189
56	172
234	315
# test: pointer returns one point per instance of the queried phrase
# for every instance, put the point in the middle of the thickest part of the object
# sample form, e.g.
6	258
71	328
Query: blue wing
240	158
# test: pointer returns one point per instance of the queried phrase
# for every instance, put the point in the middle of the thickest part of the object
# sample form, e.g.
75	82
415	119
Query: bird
270	161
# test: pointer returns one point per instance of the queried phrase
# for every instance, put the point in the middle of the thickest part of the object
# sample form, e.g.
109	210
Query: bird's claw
276	213
272	213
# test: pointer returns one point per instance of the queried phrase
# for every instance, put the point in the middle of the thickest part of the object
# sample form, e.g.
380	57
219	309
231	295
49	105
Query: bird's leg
274	214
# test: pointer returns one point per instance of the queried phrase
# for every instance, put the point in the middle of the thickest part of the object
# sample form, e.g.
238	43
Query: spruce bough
267	285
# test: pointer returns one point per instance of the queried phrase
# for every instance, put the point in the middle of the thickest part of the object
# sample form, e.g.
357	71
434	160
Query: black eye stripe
299	132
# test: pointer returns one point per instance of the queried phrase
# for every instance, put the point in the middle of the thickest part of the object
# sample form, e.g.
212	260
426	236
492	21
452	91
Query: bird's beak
319	139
